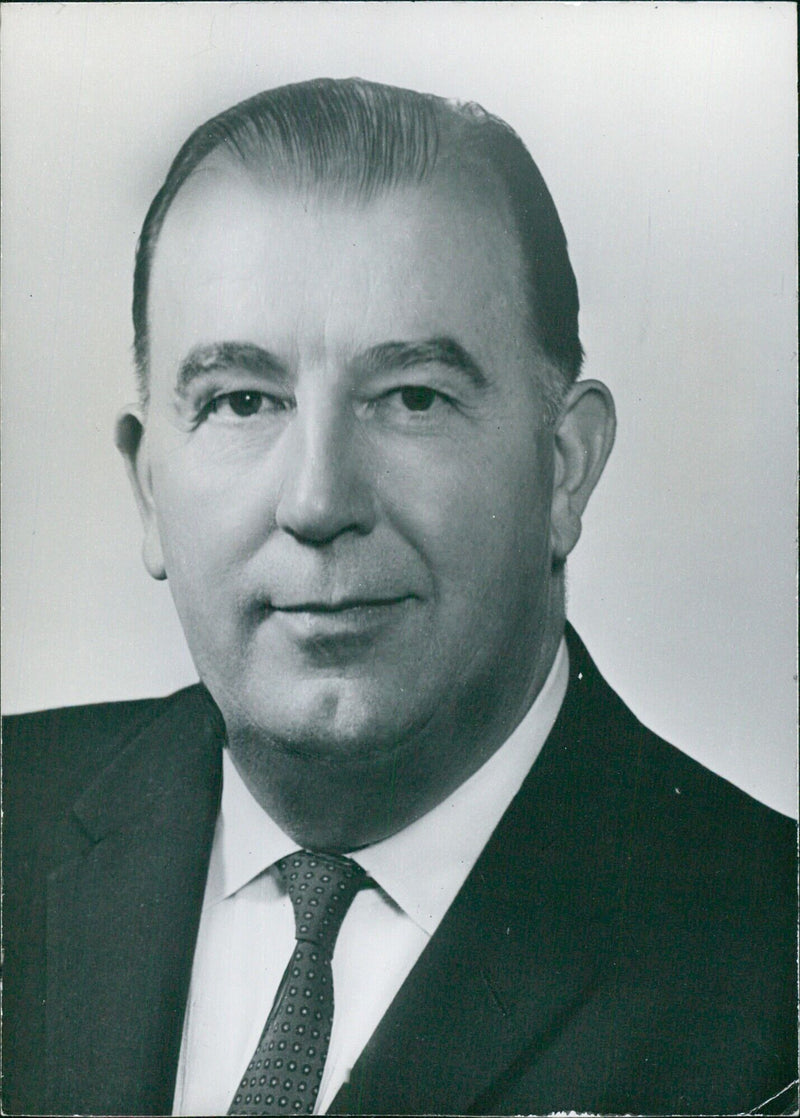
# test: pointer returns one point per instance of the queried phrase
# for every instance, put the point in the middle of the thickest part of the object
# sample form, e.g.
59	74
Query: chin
336	719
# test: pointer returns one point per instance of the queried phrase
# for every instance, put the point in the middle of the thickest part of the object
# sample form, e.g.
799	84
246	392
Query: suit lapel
526	940
521	949
122	918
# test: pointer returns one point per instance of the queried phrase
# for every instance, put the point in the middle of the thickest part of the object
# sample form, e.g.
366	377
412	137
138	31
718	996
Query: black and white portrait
399	558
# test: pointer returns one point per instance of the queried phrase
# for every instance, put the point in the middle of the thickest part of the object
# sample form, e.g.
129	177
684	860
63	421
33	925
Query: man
361	456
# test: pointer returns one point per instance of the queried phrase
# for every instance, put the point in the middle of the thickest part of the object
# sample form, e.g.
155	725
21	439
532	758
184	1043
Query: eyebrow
204	359
384	358
394	356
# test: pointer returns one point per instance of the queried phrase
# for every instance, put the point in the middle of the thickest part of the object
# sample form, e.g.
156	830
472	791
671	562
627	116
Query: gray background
667	135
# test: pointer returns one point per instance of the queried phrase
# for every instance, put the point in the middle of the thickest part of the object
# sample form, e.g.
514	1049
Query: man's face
350	479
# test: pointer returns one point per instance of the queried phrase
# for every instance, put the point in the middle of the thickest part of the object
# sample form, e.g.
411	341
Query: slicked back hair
360	139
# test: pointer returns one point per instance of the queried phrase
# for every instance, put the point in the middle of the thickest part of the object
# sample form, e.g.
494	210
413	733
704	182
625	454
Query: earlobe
584	436
131	442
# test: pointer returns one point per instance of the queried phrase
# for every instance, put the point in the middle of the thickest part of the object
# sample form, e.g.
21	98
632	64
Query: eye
243	404
417	397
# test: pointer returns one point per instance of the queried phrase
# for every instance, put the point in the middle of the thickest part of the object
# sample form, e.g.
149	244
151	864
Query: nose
326	488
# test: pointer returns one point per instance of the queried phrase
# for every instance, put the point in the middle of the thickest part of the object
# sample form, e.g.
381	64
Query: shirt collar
447	841
246	840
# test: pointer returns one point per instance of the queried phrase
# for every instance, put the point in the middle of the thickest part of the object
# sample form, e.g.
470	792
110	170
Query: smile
331	623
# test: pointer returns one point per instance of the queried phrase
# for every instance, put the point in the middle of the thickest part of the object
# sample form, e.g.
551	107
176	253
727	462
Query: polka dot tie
284	1074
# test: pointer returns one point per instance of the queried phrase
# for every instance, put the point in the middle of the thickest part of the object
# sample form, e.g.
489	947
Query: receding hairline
465	182
453	179
356	140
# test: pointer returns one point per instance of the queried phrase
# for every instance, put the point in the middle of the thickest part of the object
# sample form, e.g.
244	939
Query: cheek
209	519
203	575
479	516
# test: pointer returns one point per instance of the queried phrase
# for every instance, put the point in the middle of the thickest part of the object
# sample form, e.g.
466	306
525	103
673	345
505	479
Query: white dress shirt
246	932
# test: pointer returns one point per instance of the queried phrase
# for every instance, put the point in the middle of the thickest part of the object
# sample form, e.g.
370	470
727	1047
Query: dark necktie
284	1074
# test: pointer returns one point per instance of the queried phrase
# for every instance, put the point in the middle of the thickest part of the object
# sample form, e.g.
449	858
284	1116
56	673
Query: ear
584	436
131	442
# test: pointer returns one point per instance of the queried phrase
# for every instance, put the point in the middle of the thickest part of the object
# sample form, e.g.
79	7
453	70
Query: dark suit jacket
625	942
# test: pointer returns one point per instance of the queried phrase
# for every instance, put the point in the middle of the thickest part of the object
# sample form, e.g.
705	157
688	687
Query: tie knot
321	887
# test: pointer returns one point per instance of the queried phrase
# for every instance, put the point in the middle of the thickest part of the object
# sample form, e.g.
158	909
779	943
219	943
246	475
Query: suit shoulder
647	769
704	855
681	793
688	829
91	717
701	826
50	754
109	719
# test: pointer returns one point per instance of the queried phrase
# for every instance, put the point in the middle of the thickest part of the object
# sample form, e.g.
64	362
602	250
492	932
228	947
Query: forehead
238	254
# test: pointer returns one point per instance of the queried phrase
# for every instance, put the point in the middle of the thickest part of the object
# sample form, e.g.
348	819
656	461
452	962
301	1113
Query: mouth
343	606
344	626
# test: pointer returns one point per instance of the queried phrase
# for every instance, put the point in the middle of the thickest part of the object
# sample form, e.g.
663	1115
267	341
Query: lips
327	631
342	605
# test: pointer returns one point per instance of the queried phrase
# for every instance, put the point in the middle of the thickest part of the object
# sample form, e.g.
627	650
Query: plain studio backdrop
666	133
